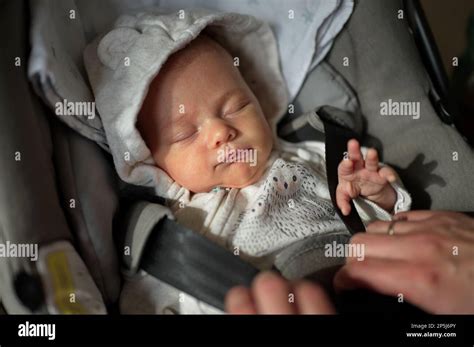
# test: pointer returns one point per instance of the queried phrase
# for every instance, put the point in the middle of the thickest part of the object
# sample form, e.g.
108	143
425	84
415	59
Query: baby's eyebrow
166	126
174	121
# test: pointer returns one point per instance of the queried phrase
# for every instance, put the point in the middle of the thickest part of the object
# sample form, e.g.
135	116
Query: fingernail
267	274
399	218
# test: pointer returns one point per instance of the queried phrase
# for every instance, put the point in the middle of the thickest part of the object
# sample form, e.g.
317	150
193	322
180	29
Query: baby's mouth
231	155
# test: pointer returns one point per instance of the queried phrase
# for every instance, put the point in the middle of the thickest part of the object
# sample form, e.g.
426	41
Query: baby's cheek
192	171
266	140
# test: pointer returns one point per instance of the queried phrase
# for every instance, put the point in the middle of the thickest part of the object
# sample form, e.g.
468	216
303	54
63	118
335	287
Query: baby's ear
113	47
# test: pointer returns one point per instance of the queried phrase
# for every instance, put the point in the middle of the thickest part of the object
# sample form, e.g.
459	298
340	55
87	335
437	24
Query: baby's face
197	108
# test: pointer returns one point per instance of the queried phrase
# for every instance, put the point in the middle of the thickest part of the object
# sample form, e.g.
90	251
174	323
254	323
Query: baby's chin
231	175
240	175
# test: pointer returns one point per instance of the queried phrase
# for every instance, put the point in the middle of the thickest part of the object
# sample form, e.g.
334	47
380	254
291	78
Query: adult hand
272	294
429	259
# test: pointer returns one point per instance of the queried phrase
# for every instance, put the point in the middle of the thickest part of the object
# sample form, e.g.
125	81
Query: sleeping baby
222	140
190	109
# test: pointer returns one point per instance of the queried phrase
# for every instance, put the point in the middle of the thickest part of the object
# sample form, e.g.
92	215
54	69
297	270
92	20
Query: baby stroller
59	169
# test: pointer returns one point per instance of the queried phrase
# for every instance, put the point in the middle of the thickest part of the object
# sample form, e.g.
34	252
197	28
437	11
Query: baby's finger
355	154
372	160
239	300
353	149
345	168
343	200
388	173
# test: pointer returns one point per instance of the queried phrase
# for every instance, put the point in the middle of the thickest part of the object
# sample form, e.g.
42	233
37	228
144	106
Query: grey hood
122	63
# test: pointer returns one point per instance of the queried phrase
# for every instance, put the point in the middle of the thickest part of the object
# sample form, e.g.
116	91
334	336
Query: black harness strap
336	138
193	264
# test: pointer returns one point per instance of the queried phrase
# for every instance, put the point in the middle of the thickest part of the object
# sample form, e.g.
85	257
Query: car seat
52	194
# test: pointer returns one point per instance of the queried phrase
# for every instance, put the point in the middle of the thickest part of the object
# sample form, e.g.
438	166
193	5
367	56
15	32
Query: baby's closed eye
182	135
235	107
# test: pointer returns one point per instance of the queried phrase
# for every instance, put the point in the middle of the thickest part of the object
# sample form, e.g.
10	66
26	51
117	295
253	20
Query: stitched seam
306	250
96	258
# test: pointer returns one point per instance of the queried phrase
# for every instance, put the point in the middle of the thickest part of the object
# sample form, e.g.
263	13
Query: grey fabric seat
56	163
57	169
433	160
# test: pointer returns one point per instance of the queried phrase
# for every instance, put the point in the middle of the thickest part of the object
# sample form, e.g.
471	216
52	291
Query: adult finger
271	294
311	298
390	277
452	218
239	300
438	228
417	215
415	247
399	227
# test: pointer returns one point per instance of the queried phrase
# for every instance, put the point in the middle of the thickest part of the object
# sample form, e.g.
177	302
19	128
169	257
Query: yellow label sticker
63	284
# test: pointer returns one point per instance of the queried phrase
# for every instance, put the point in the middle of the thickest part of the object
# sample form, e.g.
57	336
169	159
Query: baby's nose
220	133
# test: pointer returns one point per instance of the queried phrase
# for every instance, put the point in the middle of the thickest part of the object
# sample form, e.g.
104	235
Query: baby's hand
364	178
